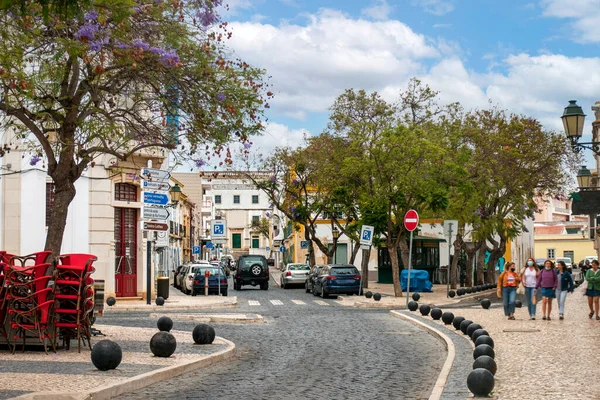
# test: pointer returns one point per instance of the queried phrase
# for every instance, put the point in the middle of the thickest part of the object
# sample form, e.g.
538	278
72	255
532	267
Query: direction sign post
155	174
160	199
155	213
155	226
156	185
411	221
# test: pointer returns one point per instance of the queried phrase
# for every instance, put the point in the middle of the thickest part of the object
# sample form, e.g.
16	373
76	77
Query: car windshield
213	270
343	271
248	261
298	267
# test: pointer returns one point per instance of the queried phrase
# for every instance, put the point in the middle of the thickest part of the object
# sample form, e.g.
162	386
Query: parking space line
253	303
321	302
276	302
299	302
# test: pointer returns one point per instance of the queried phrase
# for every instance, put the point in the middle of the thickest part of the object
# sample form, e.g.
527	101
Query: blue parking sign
366	235
196	250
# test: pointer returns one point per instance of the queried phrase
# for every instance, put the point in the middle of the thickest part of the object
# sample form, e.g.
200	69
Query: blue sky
528	57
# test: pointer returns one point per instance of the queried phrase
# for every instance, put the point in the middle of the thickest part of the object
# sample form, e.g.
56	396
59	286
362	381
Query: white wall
77	230
33	211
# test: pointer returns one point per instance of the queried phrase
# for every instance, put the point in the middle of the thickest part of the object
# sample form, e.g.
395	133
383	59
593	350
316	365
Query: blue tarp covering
419	281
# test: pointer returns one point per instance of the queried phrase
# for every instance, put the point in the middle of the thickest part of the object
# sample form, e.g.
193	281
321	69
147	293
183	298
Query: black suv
252	270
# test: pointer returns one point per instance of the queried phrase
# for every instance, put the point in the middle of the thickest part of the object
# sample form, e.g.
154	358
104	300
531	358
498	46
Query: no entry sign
411	220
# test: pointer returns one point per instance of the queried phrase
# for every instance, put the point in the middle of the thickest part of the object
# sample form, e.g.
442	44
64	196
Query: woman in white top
529	279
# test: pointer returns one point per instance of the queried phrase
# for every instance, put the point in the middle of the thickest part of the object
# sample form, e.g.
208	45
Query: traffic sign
209	245
155	213
411	220
366	235
304	244
219	241
156	198
156	185
218	229
155	174
155	226
268	248
195	249
282	249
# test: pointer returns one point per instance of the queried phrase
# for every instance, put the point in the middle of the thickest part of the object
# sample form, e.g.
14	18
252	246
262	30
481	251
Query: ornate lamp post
336	235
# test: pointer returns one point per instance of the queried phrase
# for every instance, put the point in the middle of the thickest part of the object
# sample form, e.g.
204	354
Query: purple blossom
199	163
87	32
96	45
273	179
158	51
221	96
295	182
140	44
34	160
170	58
270	205
247	145
91	15
293	208
121	45
527	131
268	214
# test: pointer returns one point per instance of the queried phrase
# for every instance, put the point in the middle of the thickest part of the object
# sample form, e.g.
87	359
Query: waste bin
99	297
162	287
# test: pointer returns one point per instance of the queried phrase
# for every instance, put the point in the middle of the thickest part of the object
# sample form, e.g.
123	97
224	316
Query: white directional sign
155	174
155	213
218	229
366	235
156	185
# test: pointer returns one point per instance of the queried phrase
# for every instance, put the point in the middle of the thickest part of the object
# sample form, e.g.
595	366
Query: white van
566	260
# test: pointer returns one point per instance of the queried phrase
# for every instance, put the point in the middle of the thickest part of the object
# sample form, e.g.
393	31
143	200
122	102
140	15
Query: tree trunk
355	251
366	255
469	271
480	264
64	193
454	265
393	251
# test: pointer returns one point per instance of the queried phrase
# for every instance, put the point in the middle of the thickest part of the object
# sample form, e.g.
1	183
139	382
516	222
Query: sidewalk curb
438	387
109	310
110	391
235	318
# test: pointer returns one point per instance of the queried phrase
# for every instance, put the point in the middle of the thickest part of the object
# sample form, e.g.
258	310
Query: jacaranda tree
116	77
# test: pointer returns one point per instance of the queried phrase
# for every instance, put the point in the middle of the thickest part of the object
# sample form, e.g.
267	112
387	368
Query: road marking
299	302
253	303
321	302
276	302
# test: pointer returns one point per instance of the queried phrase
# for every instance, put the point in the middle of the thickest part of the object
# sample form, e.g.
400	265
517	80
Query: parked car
294	274
181	276
540	262
217	278
337	279
309	282
175	276
251	269
188	275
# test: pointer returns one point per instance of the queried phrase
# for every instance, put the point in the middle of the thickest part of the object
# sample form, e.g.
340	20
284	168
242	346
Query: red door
125	252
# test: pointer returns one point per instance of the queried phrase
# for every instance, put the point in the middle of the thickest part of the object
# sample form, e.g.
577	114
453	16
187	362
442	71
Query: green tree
120	77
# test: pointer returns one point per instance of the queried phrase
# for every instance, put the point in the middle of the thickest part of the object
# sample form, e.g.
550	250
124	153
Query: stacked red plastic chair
74	298
27	298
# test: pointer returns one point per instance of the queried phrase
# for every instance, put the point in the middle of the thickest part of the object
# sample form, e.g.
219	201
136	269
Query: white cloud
379	11
435	7
584	16
277	135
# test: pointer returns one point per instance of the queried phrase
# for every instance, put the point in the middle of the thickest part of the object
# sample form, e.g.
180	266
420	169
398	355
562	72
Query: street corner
206	318
364	302
191	303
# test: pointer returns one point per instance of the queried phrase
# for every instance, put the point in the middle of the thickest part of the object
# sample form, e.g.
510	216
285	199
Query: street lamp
336	235
584	178
175	194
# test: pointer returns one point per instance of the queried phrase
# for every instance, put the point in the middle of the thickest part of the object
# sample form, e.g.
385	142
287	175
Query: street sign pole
409	261
411	221
148	272
448	272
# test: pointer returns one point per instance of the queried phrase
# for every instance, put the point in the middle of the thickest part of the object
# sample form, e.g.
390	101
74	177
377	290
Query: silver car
294	274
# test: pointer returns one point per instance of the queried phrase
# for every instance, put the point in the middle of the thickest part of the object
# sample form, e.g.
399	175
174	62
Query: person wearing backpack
565	284
508	282
592	276
548	281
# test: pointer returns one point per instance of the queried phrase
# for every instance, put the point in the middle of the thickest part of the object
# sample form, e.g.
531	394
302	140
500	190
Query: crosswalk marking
253	303
299	302
277	302
321	302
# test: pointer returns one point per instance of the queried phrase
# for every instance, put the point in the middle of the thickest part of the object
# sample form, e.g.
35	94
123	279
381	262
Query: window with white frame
551	253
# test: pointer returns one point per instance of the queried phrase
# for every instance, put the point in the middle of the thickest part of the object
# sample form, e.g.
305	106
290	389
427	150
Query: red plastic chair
35	319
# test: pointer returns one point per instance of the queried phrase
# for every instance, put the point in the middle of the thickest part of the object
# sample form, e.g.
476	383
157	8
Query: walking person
508	281
592	276
548	282
529	280
565	284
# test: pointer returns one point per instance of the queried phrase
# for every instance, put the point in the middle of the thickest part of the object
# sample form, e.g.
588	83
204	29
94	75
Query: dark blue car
217	278
337	279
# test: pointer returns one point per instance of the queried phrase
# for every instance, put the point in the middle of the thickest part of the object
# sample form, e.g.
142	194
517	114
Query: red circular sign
411	220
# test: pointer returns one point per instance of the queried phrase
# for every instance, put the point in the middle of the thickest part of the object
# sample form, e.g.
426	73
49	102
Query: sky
527	57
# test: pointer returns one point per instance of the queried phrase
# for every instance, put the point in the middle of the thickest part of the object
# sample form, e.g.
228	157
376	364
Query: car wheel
264	286
323	294
306	287
282	285
256	269
224	292
314	291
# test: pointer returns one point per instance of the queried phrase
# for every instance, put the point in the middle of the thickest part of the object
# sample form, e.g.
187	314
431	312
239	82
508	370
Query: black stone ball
518	304
447	317
480	382
106	355
477	333
483	350
483	339
424	309
486	362
486	303
436	313
460	292
376	296
164	324
160	301
203	334
457	321
476	289
451	293
368	295
416	296
111	301
469	290
413	305
472	328
163	344
464	325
